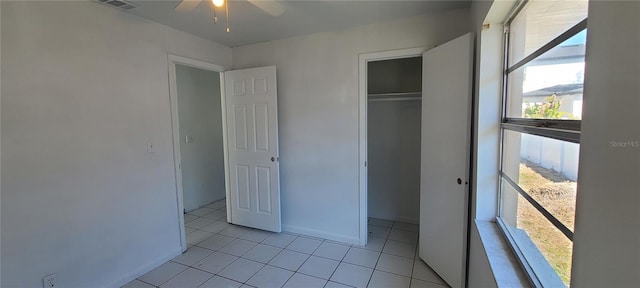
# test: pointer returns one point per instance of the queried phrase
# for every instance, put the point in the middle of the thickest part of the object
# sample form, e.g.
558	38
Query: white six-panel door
446	110
252	144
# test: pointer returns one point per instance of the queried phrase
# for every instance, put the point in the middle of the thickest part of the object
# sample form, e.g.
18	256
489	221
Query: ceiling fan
272	7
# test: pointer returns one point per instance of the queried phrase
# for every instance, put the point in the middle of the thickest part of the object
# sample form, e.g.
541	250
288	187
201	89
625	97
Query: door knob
273	159
459	181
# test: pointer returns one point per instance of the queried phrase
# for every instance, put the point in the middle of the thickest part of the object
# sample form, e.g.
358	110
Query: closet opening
393	121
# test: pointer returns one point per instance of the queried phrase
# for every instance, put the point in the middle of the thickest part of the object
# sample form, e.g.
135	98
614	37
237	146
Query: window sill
507	272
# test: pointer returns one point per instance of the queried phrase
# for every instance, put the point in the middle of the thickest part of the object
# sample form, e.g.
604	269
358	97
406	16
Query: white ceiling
249	24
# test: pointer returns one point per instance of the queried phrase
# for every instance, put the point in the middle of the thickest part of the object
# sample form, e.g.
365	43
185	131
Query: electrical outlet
49	281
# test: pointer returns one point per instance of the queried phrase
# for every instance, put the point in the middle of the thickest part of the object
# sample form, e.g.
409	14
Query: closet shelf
404	96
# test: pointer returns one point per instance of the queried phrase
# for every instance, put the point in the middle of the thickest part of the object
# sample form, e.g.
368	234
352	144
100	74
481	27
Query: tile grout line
336	269
379	256
413	263
214	275
146	282
297	270
213	251
323	240
174	276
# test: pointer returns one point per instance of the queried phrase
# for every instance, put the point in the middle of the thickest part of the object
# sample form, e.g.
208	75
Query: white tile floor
224	255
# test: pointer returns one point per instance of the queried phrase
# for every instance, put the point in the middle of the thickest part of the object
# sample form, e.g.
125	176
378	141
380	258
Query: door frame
363	59
174	60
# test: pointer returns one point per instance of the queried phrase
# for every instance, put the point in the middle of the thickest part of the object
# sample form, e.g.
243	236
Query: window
540	130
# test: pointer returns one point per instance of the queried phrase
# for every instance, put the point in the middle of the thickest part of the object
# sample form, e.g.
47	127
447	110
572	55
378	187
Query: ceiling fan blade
187	5
273	8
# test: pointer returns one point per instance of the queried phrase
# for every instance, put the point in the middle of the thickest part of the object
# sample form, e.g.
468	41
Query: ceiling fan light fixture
218	3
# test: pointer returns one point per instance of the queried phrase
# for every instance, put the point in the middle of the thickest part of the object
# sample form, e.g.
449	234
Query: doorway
394	109
390	111
394	106
444	154
197	121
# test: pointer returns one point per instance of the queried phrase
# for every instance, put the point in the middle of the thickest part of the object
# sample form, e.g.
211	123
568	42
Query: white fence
552	154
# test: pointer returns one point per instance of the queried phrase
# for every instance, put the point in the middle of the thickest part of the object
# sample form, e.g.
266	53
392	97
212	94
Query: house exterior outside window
540	132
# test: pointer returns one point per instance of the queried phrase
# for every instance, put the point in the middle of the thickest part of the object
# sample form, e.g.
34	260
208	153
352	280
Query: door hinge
365	163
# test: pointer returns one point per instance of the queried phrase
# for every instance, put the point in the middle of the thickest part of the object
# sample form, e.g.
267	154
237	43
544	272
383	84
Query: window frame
564	130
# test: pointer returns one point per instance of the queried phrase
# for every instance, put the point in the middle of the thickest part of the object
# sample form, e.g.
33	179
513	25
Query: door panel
242	187
240	115
446	110
263	176
262	127
252	122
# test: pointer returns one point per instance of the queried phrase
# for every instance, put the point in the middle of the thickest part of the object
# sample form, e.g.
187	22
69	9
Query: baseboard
206	204
143	270
395	218
321	234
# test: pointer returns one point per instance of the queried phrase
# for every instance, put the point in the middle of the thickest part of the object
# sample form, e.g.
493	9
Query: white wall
393	149
200	119
487	99
485	142
491	263
85	89
607	232
318	114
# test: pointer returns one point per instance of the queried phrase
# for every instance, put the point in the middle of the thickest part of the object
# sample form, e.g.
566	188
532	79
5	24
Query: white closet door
252	129
446	98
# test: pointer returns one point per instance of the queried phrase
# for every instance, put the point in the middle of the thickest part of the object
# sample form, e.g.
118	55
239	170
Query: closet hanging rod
408	94
395	99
